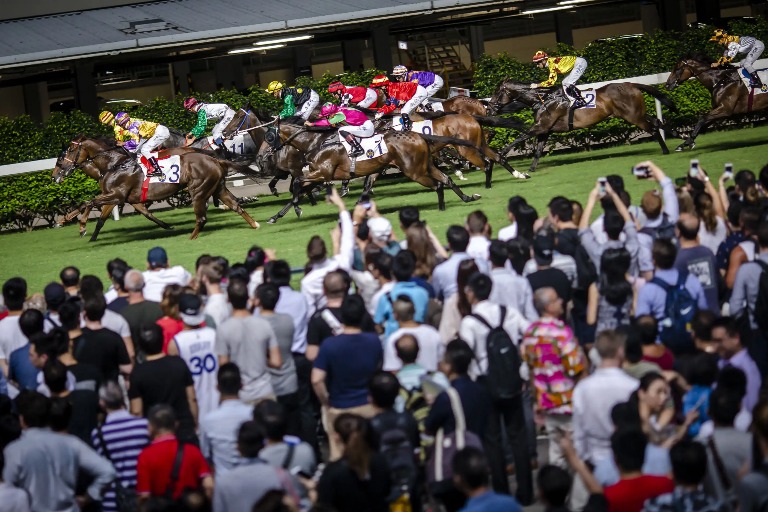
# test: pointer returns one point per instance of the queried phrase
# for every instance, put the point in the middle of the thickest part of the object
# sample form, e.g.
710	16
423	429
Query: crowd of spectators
614	364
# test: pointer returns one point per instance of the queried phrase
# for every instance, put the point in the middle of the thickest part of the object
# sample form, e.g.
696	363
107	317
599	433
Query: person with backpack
749	299
494	332
397	438
697	260
672	297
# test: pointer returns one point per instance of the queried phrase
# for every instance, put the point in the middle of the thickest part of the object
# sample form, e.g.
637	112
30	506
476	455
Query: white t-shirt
155	281
218	308
478	247
712	241
11	336
196	347
430	348
508	233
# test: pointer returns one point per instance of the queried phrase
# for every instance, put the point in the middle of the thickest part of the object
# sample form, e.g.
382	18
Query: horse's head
240	118
69	158
506	93
690	66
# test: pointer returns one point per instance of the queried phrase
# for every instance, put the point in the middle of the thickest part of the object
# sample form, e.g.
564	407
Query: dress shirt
475	332
745	288
513	291
743	361
46	464
295	304
593	399
312	283
218	434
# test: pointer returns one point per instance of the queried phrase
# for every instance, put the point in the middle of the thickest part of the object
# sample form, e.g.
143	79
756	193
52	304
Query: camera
641	171
693	172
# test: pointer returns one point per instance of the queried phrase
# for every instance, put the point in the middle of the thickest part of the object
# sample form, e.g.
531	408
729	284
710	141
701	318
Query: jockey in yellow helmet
574	66
734	45
297	101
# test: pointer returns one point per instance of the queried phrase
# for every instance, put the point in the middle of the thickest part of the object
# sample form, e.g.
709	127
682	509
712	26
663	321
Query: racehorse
729	95
551	110
121	179
328	160
465	105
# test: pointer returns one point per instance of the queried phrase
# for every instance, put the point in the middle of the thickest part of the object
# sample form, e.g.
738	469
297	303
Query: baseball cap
55	295
191	309
157	257
380	228
544	247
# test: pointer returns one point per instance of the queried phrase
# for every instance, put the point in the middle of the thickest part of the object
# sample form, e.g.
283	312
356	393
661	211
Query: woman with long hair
611	299
254	263
457	306
519	252
526	217
420	243
359	481
171	321
712	229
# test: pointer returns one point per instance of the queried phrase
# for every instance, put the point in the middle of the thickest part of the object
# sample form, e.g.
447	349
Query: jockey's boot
357	148
578	100
407	123
755	82
156	172
427	106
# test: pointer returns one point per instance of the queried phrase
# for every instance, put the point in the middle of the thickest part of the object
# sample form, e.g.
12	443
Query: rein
238	131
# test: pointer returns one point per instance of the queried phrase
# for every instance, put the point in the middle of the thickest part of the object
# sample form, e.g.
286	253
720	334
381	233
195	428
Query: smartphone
641	171
728	172
602	182
694	170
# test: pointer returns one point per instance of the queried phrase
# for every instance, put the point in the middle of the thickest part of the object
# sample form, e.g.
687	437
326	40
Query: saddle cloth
373	147
762	73
589	95
424	127
240	144
170	165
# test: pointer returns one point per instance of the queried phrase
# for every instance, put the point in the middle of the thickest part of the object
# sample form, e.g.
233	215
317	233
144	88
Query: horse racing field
39	255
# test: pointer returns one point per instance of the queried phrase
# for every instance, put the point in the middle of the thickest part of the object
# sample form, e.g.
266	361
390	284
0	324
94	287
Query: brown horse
121	178
729	95
328	161
551	110
465	105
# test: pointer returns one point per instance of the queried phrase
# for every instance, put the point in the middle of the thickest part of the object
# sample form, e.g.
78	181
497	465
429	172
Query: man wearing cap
546	275
55	295
195	345
159	275
380	235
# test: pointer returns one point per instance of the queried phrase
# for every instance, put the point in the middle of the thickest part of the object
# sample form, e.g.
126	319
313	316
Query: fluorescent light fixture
285	40
573	2
255	49
548	9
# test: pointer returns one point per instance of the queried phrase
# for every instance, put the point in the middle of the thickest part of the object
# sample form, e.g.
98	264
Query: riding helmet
122	117
380	81
274	85
399	70
328	109
539	56
107	117
336	87
189	103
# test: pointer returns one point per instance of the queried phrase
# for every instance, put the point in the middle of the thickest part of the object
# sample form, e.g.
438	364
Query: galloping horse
729	95
623	100
121	178
328	161
465	105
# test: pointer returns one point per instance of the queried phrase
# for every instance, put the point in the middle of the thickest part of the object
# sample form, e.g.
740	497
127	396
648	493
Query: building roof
175	23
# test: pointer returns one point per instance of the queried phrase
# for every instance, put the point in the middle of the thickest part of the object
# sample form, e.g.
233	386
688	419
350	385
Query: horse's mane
699	57
108	140
295	120
525	85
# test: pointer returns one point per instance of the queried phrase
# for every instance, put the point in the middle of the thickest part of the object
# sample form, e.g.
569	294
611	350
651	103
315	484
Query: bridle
74	162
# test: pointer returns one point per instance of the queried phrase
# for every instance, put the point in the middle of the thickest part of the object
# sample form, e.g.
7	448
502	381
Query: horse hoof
274	192
255	225
82	234
272	220
299	212
344	192
460	175
679	148
521	175
475	197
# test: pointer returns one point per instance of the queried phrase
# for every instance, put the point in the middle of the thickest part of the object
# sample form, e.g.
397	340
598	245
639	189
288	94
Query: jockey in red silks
352	124
357	96
407	94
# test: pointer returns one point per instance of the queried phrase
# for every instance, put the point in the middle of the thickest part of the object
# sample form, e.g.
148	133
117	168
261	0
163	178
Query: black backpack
396	447
665	230
586	272
503	376
761	302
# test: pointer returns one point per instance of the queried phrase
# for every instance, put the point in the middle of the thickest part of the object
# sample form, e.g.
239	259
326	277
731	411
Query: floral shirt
555	359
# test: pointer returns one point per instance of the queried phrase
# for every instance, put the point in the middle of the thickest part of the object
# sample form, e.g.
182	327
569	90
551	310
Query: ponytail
355	435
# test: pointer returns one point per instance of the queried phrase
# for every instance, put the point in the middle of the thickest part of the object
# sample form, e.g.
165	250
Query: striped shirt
125	437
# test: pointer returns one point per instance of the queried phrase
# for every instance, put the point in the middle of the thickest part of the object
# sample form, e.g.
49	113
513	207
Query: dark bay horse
550	108
121	178
729	95
466	105
410	152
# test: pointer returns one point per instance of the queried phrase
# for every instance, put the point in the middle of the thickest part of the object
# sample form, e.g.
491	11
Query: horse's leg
541	141
294	202
345	187
707	118
657	125
440	189
226	197
493	156
436	176
86	212
368	184
200	205
105	211
521	138
142	209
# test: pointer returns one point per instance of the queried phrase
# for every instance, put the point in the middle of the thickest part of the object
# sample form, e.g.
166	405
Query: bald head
336	284
547	302
407	348
688	226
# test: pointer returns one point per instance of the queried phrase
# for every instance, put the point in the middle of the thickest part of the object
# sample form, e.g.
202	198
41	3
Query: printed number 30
205	364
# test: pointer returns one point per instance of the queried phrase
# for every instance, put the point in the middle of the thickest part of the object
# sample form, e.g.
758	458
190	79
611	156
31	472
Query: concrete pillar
563	28
707	10
36	101
476	42
672	14
352	52
85	88
382	49
302	61
181	77
649	14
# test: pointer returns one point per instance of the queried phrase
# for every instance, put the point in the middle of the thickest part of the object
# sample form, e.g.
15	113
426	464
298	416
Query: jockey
125	138
205	111
408	94
305	100
364	97
560	65
735	45
353	125
427	79
149	136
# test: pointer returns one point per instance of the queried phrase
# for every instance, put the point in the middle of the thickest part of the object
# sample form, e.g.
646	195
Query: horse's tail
659	95
452	141
501	122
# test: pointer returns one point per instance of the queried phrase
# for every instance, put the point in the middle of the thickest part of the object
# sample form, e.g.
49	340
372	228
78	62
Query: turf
39	255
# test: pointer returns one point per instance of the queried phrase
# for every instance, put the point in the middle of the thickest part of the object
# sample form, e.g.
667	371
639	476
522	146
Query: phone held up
728	171
641	171
693	172
602	181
